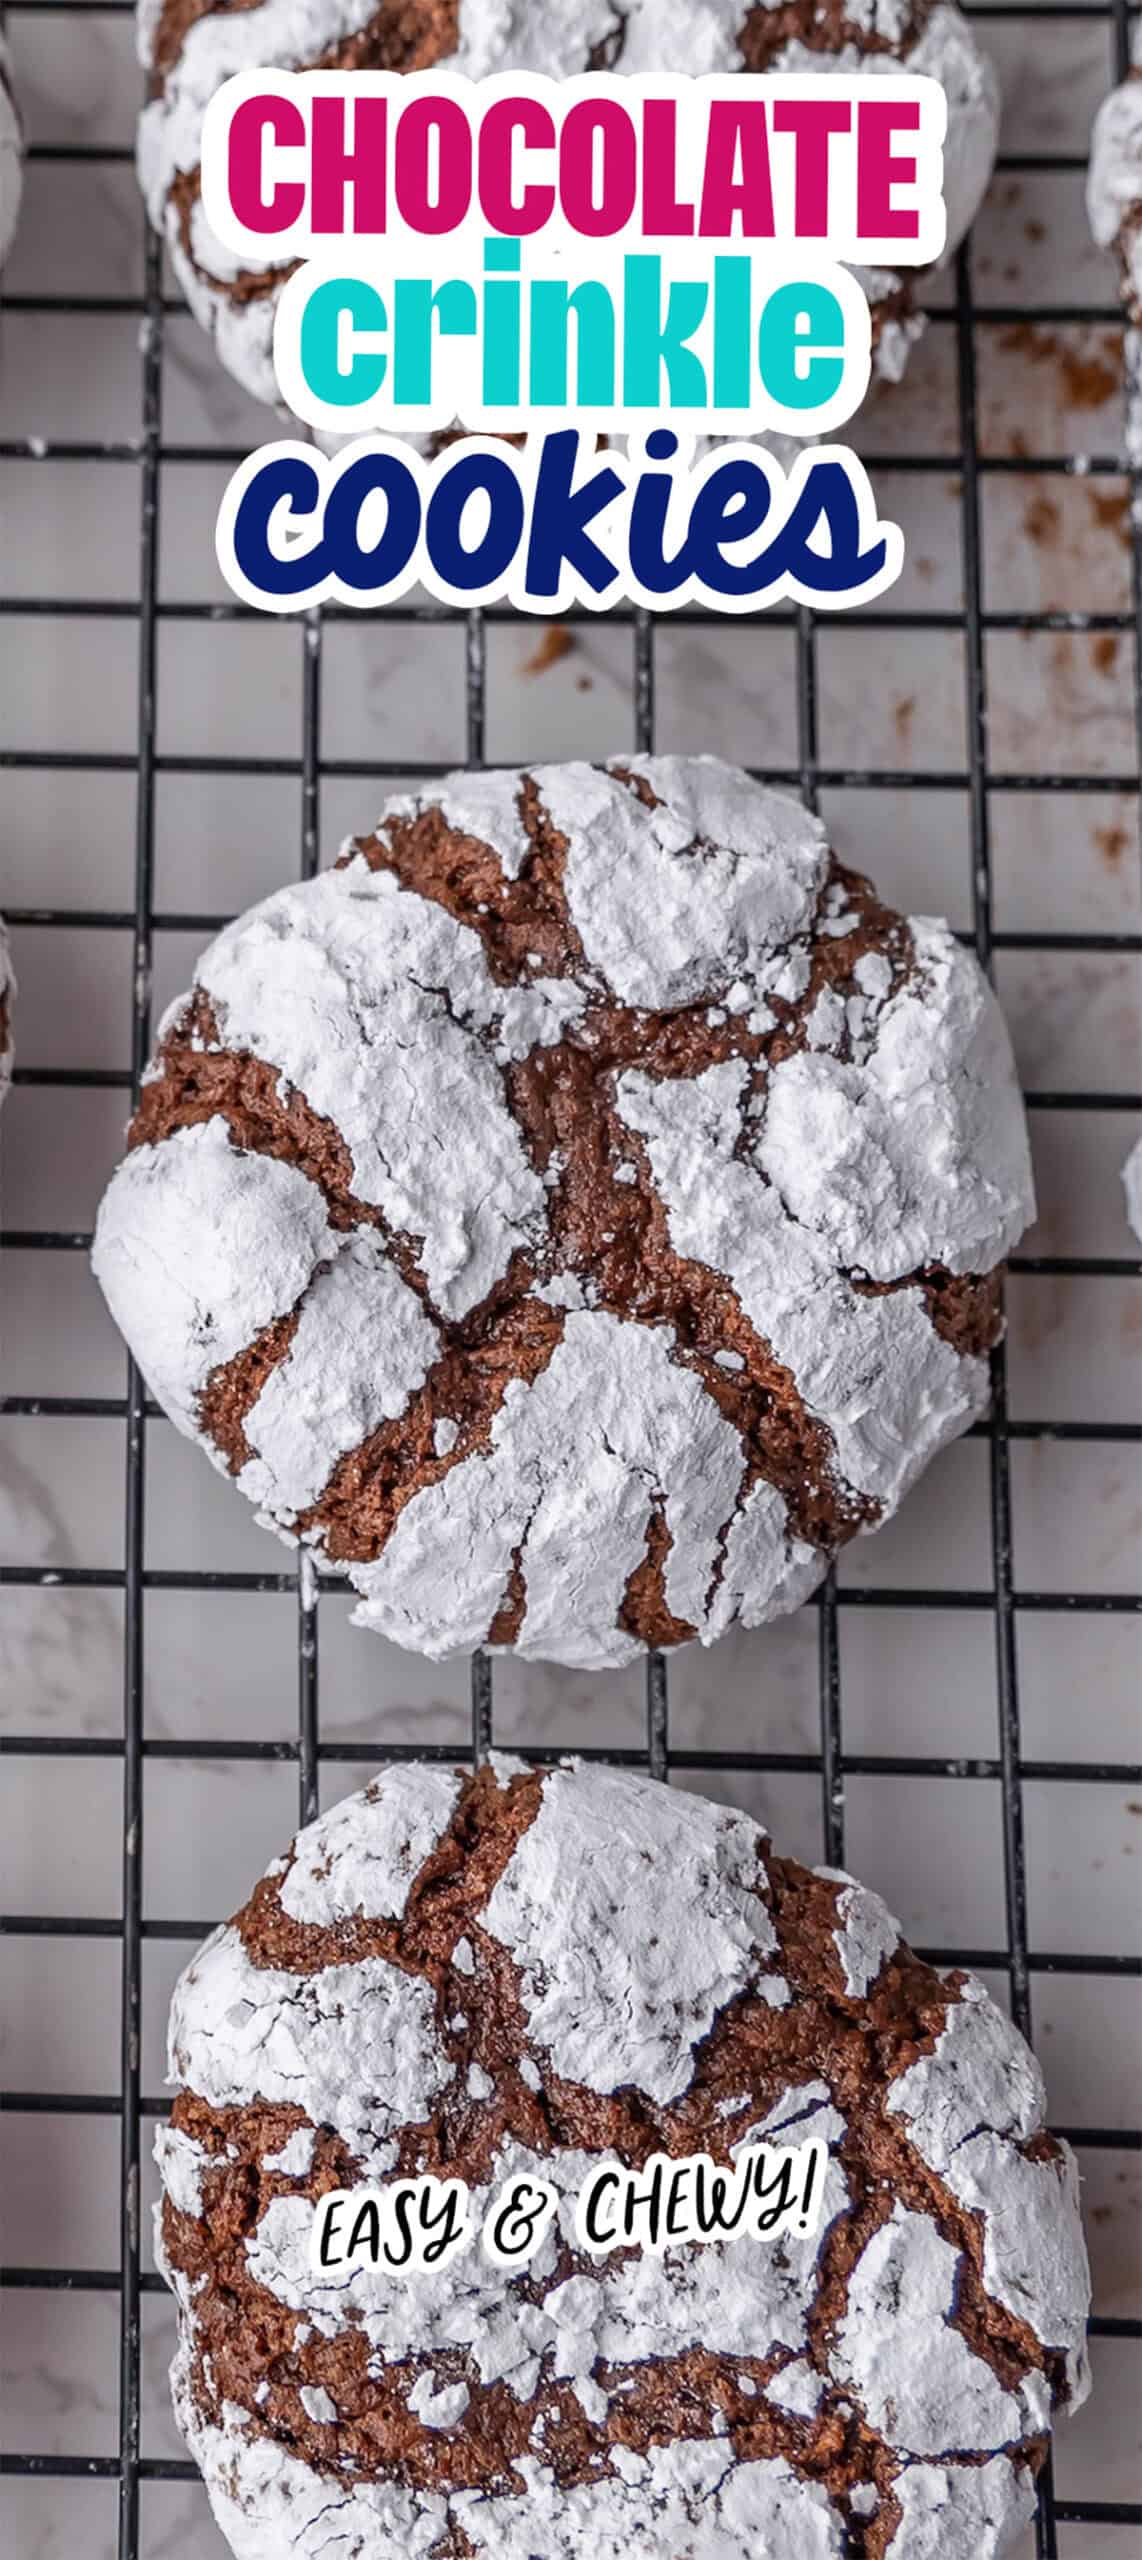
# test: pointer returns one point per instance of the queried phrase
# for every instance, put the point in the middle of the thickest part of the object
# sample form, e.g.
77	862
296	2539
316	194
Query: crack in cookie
613	1970
590	1180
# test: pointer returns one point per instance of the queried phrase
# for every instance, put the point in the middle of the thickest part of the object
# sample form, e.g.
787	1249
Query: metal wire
1003	1600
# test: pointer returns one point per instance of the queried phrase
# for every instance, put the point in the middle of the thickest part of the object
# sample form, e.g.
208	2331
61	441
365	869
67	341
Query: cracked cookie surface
521	1971
588	1182
189	47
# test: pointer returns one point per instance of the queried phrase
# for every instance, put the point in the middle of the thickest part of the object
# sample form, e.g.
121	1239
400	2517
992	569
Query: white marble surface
224	1665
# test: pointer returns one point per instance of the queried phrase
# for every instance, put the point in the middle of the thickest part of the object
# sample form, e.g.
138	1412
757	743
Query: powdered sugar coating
353	2045
681	2490
295	2159
391	1194
917	2380
11	194
917	1149
765	1570
568	1487
1132	1186
734	2300
7	997
980	2072
730	2299
968	2107
336	983
1034	2253
558	41
1114	208
318	2405
974	2513
427	2311
487	805
267	2503
280	35
870	1368
637	1912
948	51
798	2389
634	2010
1114	183
182	2164
664	932
1114	178
555	37
198	1246
438	2408
343	1868
363	1344
867	1934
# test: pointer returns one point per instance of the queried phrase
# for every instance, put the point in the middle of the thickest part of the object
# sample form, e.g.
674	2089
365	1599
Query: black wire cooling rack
1003	1600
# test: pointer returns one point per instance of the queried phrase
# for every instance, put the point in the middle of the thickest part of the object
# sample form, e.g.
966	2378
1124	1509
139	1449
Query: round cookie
589	1183
1114	203
513	1974
11	152
189	50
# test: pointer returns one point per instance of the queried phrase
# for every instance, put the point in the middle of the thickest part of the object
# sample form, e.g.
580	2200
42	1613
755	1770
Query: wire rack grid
1001	1599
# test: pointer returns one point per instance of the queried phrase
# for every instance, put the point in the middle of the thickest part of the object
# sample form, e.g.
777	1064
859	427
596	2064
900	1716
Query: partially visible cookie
11	152
188	51
1132	1186
516	1974
579	1213
1114	203
7	994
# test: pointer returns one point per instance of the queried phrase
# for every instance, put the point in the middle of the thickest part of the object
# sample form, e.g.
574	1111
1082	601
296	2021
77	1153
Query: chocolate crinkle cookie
510	1975
189	47
7	993
11	156
1132	1186
1114	202
578	1213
